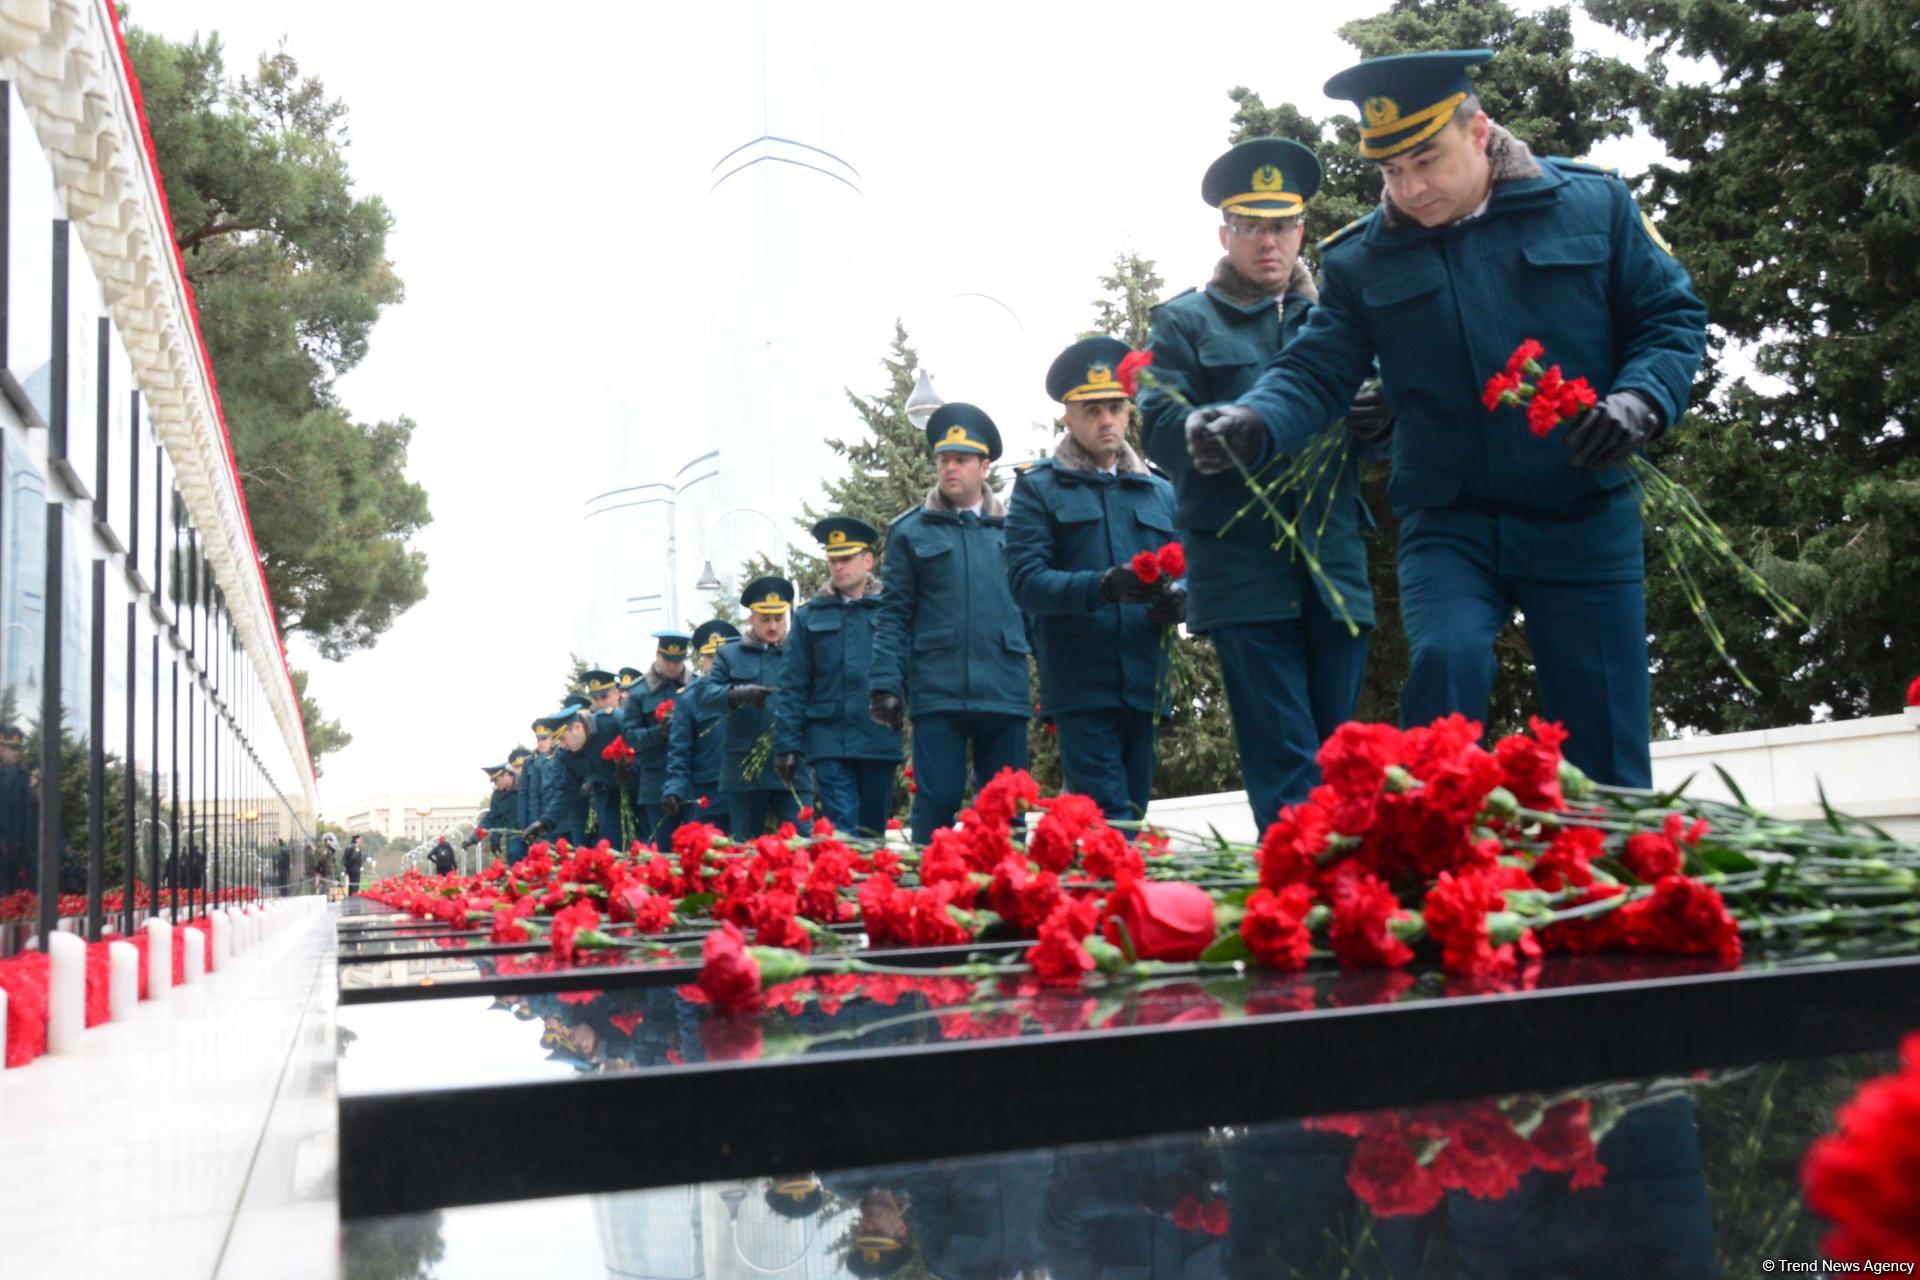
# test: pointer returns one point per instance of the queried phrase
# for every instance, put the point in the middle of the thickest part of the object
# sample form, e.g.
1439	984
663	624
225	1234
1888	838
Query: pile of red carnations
1420	842
24	904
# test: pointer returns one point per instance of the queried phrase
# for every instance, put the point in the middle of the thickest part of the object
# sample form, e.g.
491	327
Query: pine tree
1793	199
1128	296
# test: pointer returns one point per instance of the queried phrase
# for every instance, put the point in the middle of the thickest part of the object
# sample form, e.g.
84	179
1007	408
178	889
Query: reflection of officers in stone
744	675
19	815
820	712
1291	666
972	1219
695	741
1115	1213
647	732
951	646
563	811
605	786
1478	245
1076	522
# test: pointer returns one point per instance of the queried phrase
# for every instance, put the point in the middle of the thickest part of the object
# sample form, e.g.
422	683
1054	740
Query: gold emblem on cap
956	434
773	597
1269	178
836	537
1380	111
1099	374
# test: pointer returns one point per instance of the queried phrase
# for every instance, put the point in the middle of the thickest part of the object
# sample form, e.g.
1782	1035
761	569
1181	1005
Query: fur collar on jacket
1069	455
1511	160
991	507
826	591
1237	289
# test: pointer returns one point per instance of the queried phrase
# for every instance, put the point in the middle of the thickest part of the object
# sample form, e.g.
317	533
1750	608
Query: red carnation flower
1502	388
703	802
1862	1179
1275	927
1146	567
1913	693
568	923
1173	560
729	975
1528	351
1128	374
1362	931
1058	957
806	813
663	711
618	752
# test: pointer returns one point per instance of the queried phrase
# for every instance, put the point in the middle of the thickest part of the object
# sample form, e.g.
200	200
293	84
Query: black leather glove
1612	431
748	695
1220	433
534	831
1169	608
670	804
785	766
1368	417
885	708
469	842
1121	585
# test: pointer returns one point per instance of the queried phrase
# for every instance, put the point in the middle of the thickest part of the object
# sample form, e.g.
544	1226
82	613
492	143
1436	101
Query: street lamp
923	401
709	580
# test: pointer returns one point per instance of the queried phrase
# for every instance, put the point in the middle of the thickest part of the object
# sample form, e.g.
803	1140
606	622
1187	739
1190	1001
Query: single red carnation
663	711
1128	372
1576	397
1455	911
729	975
1146	567
1682	918
567	924
1651	856
1291	849
1362	935
1865	1179
1528	351
1275	927
1058	958
1530	765
1389	1181
1499	387
1913	693
1173	560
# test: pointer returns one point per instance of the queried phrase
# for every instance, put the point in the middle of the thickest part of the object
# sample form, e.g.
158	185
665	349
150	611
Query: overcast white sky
546	167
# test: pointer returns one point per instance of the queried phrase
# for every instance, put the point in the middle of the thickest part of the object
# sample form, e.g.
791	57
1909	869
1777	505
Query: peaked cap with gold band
673	644
768	594
961	428
596	682
1087	370
518	756
708	636
1407	98
1262	178
493	770
629	676
842	536
11	736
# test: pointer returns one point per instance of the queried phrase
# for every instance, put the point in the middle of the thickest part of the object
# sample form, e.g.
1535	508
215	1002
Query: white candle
66	992
193	958
123	984
159	959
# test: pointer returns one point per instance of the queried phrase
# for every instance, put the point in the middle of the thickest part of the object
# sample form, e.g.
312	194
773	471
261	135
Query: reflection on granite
1685	1176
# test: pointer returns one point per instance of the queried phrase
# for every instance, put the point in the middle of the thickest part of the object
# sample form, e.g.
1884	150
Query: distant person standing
355	859
442	857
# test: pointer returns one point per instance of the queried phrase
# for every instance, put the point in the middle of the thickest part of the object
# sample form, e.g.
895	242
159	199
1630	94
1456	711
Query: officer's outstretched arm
789	702
1038	587
710	690
1311	381
1663	325
893	626
1163	418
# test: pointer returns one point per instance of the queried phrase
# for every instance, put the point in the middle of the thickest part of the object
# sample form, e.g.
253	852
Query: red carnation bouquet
1162	568
1674	518
618	752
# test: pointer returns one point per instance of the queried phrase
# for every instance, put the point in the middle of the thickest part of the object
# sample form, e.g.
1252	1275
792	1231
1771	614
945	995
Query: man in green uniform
950	645
1292	645
820	712
1077	521
646	729
605	784
694	737
1477	246
743	679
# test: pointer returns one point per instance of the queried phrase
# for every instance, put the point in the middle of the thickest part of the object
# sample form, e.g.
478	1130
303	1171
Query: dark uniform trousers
1289	685
855	795
1589	642
750	810
657	825
1107	756
940	743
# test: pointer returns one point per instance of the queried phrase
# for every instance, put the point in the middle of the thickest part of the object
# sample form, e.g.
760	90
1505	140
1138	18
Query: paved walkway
196	1138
